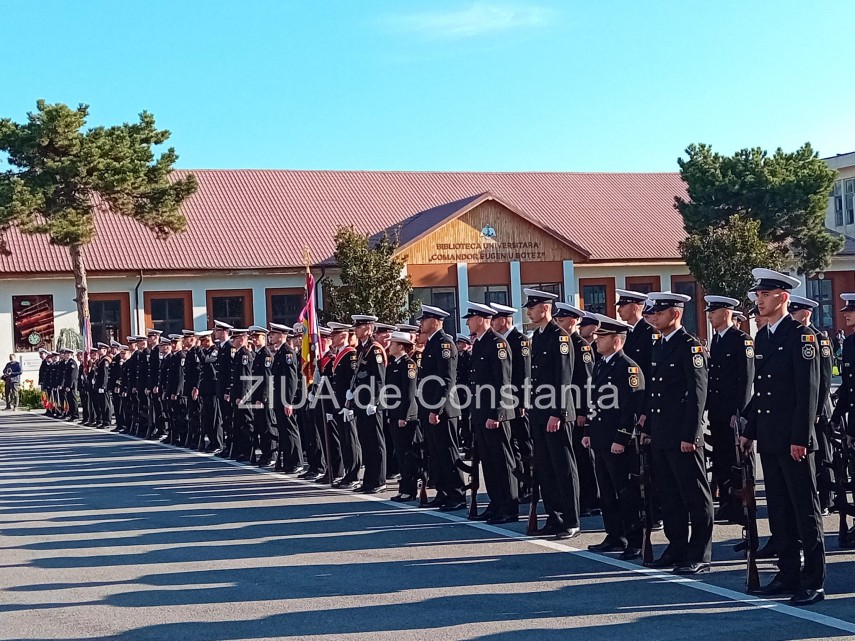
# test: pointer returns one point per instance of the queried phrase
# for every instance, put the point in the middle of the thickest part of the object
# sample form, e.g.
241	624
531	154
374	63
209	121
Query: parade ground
104	536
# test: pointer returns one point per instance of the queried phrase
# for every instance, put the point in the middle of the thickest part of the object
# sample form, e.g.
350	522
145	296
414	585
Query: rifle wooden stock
474	484
645	487
535	499
749	506
423	497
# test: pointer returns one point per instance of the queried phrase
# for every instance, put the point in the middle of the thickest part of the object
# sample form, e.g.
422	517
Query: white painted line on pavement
757	602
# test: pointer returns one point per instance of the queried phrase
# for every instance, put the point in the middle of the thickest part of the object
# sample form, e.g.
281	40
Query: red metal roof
611	216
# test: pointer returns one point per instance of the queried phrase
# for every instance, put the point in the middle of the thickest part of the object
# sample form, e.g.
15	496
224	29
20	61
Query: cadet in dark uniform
240	396
587	326
492	408
176	392
553	415
286	378
402	414
210	407
677	392
569	318
115	371
344	440
520	351
192	372
366	393
639	339
801	309
617	398
225	354
145	381
846	392
316	424
731	375
439	409
139	376
782	420
265	431
69	382
161	423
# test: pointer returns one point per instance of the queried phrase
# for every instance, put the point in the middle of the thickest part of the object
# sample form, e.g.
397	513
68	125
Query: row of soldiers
560	408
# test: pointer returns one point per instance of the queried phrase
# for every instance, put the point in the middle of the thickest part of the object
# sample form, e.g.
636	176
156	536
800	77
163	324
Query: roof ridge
432	172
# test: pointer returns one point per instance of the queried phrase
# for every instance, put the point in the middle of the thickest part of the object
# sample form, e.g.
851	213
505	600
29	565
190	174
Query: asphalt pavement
108	537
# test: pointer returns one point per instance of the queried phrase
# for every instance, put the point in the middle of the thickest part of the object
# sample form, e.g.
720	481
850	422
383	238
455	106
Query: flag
309	318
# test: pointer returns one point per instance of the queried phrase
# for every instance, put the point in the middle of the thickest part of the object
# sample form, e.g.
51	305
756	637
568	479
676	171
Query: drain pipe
137	330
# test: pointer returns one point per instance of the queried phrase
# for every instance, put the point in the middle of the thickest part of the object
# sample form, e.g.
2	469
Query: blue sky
488	85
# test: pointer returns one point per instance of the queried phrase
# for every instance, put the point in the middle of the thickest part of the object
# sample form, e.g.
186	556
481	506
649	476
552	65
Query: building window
690	311
444	298
549	288
821	292
838	203
489	294
643	284
594	298
105	318
232	306
285	305
849	201
33	322
167	315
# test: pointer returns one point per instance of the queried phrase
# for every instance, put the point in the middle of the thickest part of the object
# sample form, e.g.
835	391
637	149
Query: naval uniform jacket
584	360
489	375
437	377
846	391
370	374
401	376
286	374
786	388
826	370
617	399
731	375
676	391
520	347
551	374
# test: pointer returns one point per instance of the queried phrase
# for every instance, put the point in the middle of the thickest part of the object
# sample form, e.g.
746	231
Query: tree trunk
81	286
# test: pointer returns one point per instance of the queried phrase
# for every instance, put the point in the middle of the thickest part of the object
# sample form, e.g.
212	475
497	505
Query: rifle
749	506
840	463
474	481
645	485
422	487
531	530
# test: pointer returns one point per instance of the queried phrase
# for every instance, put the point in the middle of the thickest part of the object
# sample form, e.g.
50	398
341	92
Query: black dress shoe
657	526
606	546
629	554
766	552
452	506
569	533
434	502
345	485
808	597
664	561
692	568
372	490
499	519
403	498
546	530
776	588
314	476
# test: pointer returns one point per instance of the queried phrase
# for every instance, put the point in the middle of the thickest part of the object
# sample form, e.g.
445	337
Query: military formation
563	415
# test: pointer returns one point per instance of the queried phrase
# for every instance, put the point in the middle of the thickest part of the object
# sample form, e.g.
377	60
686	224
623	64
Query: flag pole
314	339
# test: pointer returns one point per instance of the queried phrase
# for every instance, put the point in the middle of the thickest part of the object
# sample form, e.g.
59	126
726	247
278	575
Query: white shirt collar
609	357
774	326
668	337
723	332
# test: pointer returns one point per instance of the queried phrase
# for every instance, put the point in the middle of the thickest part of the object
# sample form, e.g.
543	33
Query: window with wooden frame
169	312
284	304
598	295
694	319
643	284
232	306
110	316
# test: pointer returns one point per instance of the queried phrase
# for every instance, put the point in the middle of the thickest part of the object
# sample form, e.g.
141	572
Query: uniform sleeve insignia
565	348
524	342
244	360
354	365
808	351
267	361
446	353
824	341
748	342
378	358
749	351
215	353
525	351
411	373
233	352
289	359
633	380
501	345
503	354
586	356
698	361
633	370
656	337
808	338
826	351
697	349
564	339
446	346
586	348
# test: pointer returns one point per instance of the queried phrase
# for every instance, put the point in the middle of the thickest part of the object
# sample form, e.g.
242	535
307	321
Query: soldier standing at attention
402	414
846	391
608	432
439	409
208	382
239	396
731	375
286	380
492	409
783	420
263	428
225	354
677	392
552	416
520	351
